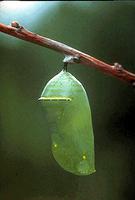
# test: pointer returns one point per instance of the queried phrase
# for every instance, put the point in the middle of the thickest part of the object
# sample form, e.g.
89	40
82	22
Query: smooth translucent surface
69	116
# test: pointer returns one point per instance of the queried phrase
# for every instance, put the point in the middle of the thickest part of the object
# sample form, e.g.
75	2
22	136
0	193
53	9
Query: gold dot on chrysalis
84	157
55	145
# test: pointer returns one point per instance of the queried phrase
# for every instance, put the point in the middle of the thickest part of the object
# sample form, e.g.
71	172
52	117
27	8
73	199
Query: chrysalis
69	117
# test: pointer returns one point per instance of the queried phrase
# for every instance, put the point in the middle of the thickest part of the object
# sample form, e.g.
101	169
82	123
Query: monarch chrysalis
69	117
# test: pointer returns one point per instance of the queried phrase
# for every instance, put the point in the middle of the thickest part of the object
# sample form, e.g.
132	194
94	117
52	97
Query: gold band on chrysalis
55	98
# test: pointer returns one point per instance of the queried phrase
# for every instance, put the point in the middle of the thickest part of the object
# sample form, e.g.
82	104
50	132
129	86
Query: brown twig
115	70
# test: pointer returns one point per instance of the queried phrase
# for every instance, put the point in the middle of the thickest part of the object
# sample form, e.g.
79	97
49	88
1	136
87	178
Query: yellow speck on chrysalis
84	157
55	145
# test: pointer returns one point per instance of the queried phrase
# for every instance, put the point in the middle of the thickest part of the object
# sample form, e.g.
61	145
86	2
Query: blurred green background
105	30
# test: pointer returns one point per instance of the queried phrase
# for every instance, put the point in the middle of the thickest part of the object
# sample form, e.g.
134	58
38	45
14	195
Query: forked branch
79	57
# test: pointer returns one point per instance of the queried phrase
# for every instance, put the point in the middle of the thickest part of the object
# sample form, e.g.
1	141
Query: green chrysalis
69	117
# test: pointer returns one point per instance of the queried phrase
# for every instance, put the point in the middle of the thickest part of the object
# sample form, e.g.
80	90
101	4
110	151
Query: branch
115	70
